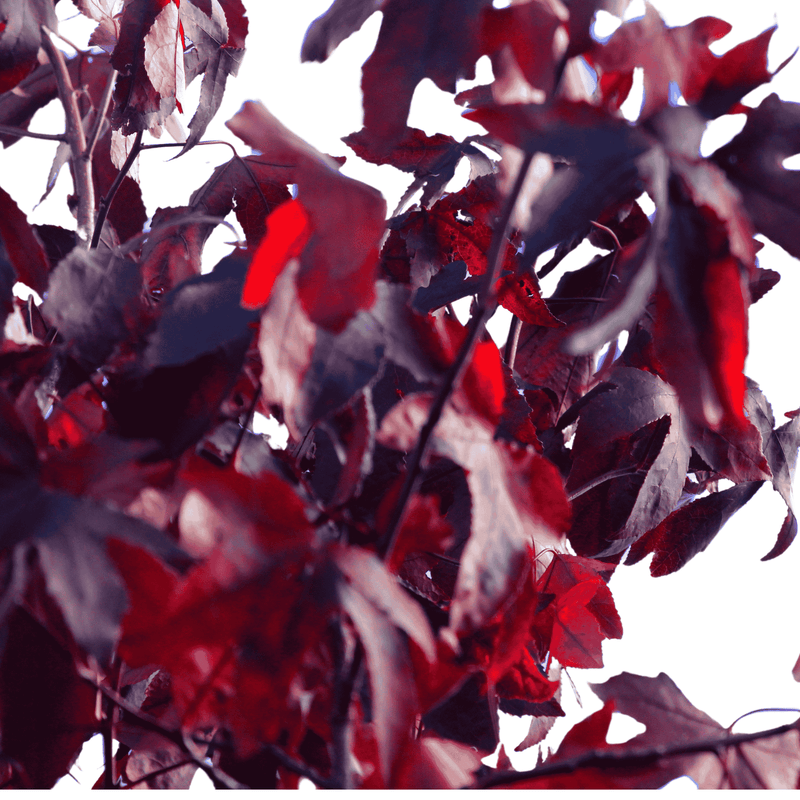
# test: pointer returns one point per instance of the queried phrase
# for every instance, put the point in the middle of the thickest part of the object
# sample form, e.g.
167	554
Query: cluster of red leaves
288	612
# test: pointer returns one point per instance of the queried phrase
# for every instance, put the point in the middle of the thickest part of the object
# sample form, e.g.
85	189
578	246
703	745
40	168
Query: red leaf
286	235
345	217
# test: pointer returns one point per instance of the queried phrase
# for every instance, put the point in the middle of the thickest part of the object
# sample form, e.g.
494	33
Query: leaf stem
483	310
81	164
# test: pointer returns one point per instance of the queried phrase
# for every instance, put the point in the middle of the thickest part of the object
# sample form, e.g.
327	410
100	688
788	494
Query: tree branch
629	757
105	203
100	116
81	164
486	306
12	131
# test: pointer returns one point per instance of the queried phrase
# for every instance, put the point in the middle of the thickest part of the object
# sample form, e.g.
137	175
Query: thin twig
105	203
485	308
627	758
12	131
81	166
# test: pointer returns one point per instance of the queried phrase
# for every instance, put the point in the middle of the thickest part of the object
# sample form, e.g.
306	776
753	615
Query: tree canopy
435	543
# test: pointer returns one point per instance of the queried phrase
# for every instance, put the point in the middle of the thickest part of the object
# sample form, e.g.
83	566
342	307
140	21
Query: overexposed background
722	628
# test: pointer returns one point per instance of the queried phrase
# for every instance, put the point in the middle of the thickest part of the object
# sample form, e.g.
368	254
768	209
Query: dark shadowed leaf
46	709
200	315
91	298
639	399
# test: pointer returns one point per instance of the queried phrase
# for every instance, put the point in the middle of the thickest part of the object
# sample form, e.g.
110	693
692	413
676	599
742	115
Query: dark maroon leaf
516	498
23	248
34	92
430	39
344	224
601	152
752	160
137	104
127	214
69	536
638	400
690	529
466	716
310	372
330	29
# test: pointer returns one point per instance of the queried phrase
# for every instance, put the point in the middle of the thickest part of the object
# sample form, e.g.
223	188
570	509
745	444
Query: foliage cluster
435	543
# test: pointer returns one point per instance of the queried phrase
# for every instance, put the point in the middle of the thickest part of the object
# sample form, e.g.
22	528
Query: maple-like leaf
345	222
752	160
103	12
137	104
211	38
672	720
575	611
433	39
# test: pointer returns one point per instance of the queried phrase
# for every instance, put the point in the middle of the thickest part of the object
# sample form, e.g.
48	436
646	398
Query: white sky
722	627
